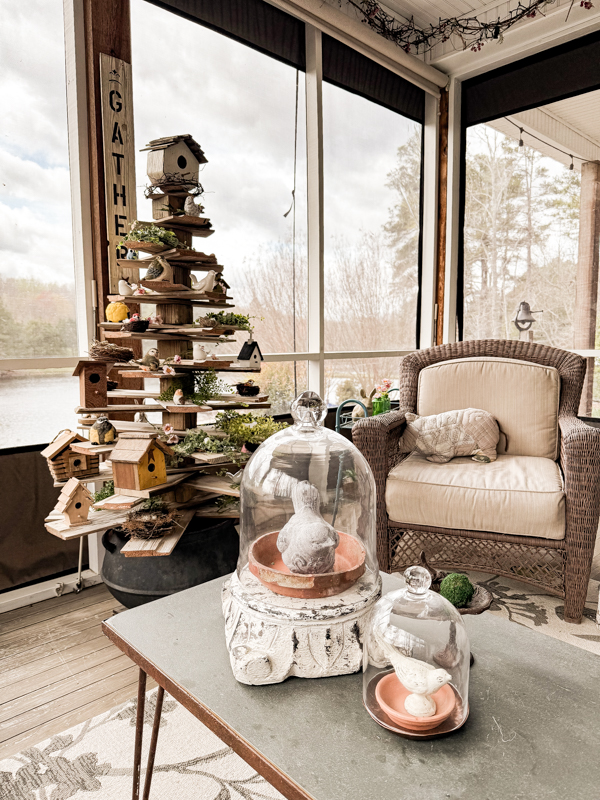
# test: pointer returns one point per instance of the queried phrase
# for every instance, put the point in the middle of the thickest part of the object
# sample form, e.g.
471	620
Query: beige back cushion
523	397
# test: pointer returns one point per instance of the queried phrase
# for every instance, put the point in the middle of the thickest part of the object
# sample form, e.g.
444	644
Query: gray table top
533	731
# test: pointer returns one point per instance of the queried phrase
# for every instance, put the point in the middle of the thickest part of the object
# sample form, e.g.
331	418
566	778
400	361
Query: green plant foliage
248	427
106	491
207	385
152	504
240	321
199	440
458	589
140	232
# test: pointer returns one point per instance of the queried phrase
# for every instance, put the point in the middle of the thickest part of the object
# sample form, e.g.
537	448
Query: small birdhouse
174	159
74	503
250	355
64	464
93	376
138	461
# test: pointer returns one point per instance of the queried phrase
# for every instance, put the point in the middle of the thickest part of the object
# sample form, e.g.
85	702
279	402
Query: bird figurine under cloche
102	431
307	542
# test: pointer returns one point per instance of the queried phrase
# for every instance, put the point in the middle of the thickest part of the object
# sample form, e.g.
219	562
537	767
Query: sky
237	103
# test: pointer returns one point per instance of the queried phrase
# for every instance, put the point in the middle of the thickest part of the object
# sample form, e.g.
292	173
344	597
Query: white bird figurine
199	352
191	209
235	479
205	284
307	542
418	677
125	288
178	397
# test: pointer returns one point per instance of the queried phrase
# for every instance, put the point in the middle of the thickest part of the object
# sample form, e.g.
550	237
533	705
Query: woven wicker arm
377	439
580	462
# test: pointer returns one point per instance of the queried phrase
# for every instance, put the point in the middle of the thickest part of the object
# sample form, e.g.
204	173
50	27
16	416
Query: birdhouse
138	461
93	376
250	355
64	464
174	159
74	503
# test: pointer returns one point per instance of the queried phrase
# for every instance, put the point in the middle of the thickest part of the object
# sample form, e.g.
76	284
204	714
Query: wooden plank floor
57	668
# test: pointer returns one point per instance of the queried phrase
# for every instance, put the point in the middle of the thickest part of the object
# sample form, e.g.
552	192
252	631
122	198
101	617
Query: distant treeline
37	319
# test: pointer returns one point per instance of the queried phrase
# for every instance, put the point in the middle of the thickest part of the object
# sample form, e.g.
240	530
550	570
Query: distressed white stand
271	637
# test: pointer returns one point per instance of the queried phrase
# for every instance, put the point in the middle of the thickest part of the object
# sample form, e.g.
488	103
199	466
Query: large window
37	290
372	176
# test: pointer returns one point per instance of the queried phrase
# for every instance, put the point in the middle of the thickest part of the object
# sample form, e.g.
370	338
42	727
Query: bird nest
150	524
105	351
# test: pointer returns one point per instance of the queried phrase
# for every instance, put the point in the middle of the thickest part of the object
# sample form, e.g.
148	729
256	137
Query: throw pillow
441	437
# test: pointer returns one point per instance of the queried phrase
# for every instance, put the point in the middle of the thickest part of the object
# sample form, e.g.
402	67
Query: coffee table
533	730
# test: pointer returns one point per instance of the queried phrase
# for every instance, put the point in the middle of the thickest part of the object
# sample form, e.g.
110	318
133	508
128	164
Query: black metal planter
209	550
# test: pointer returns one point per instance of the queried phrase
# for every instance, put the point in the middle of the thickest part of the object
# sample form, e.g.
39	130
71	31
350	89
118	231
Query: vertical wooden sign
119	157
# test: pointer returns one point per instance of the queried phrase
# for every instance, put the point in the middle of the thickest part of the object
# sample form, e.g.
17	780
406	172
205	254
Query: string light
546	144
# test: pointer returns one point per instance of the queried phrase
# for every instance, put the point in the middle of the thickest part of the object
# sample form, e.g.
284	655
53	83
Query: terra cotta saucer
391	695
266	564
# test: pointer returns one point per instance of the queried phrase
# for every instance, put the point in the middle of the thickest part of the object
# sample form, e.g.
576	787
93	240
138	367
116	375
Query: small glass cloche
416	661
308	509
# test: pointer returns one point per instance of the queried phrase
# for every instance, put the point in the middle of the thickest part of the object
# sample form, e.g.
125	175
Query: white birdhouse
250	355
178	157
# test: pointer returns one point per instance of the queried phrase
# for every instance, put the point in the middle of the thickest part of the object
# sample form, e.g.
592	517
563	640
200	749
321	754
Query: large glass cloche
308	509
416	661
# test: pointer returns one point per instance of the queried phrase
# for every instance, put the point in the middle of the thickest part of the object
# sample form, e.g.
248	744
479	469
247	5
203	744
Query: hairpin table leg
150	768
139	732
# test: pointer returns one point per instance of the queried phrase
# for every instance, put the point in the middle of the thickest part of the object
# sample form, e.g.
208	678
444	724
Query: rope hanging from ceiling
469	30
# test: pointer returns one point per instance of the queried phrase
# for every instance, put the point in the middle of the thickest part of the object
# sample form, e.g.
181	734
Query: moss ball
458	589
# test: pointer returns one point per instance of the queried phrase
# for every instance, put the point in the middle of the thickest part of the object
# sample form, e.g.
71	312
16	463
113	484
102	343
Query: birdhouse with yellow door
139	461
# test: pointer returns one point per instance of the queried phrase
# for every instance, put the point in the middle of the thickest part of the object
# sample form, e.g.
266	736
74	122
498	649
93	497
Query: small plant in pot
249	430
247	389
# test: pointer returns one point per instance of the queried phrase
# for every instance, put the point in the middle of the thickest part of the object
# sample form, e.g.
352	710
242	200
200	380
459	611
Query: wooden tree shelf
203	263
164	336
191	298
115	408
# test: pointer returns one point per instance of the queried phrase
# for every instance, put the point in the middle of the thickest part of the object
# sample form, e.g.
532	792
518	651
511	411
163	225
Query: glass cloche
416	661
308	509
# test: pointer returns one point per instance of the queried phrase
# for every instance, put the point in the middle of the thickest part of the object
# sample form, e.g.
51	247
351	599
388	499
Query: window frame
77	125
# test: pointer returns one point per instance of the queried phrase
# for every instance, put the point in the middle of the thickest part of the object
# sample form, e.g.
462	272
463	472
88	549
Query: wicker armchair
558	566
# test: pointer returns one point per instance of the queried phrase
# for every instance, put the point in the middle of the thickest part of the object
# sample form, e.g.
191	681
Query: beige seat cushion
521	495
523	397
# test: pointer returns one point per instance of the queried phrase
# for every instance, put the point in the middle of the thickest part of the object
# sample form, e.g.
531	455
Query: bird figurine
125	288
150	362
132	255
235	479
418	677
205	284
307	542
140	416
102	432
159	269
192	209
178	398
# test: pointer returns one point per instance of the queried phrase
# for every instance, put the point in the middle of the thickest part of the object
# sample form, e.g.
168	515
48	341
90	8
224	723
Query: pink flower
140	290
377	396
168	429
177	359
168	370
173	439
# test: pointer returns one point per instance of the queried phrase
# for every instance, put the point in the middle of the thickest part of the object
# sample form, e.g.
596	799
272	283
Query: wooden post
442	212
586	291
107	30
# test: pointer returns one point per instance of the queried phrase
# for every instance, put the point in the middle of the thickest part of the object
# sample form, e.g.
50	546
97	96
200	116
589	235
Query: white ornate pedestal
270	637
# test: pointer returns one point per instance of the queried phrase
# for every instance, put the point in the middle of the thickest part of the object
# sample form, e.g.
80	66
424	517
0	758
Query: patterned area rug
94	759
528	606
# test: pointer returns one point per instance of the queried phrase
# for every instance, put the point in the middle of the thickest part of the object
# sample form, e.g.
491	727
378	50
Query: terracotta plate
391	695
266	564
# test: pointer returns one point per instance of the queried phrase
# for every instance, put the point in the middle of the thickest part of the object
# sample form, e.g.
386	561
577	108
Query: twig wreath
472	32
